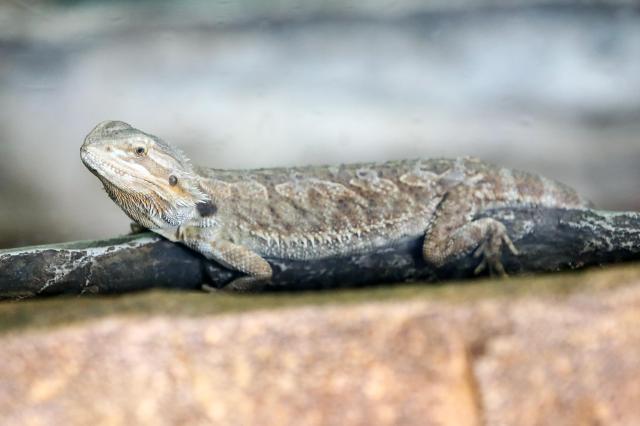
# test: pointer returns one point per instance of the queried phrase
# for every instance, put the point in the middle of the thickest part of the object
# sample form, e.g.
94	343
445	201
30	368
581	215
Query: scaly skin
238	217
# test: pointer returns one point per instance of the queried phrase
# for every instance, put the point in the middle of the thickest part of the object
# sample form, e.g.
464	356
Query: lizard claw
481	267
512	248
490	262
481	250
490	251
494	266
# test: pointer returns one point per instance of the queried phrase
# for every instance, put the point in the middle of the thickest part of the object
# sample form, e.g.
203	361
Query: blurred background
548	86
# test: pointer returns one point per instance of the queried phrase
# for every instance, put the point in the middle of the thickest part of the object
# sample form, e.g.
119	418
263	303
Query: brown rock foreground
570	356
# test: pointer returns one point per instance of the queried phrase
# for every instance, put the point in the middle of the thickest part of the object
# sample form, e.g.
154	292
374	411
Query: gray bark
548	240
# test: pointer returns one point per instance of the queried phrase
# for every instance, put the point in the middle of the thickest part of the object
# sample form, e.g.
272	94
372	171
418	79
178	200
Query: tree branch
548	240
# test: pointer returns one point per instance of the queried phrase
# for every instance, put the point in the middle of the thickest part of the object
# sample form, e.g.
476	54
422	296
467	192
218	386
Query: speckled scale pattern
319	211
311	212
238	217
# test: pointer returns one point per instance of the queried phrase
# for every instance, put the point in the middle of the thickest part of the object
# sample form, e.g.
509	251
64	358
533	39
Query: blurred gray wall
552	88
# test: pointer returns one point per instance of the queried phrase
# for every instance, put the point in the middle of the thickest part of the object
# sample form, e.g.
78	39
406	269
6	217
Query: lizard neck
152	211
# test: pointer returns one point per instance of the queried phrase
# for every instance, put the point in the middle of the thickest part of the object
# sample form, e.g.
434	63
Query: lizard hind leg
486	236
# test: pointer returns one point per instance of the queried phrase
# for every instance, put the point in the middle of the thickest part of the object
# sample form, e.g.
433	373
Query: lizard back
298	211
319	211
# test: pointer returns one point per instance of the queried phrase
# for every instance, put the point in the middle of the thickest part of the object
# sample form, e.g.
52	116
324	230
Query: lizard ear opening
185	190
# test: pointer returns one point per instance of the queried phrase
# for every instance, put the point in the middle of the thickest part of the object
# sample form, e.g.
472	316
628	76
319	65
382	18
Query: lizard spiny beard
148	210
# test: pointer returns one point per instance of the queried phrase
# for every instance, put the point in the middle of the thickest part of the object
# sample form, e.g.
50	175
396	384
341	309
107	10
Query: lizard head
152	181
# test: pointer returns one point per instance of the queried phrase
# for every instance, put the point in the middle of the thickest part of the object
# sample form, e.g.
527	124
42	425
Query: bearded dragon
239	217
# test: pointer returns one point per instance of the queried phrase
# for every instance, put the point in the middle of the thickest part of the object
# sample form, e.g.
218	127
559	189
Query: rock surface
528	354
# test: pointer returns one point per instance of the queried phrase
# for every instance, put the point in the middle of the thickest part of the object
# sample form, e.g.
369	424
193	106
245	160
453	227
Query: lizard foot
490	250
246	284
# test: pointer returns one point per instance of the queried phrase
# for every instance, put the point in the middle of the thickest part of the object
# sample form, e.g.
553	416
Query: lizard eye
173	181
140	151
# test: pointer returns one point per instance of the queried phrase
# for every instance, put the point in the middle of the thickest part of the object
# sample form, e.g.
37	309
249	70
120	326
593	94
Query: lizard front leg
232	256
454	234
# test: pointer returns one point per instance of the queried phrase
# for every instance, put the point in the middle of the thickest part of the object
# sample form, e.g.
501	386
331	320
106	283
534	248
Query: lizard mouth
89	160
106	171
99	167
